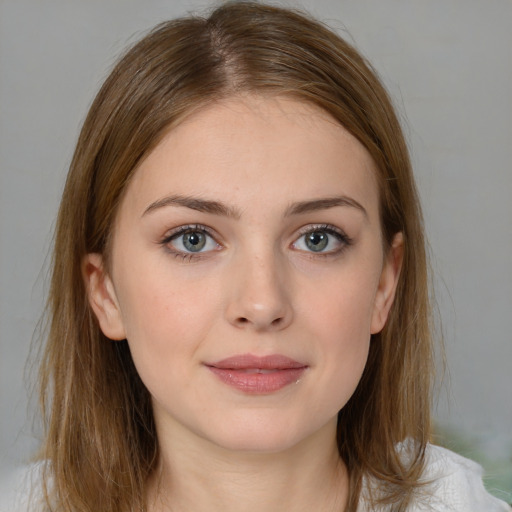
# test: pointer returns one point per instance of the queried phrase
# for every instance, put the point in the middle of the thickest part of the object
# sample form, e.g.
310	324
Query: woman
239	312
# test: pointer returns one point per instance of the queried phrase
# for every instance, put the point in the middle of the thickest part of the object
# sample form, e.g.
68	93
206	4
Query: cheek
165	320
339	316
344	327
341	305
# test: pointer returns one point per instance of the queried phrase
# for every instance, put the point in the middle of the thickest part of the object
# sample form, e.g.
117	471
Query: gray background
448	65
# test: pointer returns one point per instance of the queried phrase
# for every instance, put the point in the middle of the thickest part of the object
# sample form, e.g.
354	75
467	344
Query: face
248	273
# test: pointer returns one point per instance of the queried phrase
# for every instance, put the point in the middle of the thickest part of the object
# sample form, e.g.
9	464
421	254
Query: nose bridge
260	298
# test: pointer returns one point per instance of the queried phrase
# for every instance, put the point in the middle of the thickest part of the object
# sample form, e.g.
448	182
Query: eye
322	239
191	240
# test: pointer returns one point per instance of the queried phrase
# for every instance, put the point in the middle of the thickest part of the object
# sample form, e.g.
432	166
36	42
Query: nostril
261	319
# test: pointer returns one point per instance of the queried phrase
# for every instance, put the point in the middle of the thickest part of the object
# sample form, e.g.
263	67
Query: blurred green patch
497	469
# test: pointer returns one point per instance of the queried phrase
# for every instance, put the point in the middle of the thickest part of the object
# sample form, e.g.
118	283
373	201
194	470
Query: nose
259	298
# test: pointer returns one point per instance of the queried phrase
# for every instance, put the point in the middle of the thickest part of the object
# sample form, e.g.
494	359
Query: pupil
317	241
194	241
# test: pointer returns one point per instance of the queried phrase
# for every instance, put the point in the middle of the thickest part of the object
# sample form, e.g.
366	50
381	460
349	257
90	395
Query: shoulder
21	491
454	484
450	483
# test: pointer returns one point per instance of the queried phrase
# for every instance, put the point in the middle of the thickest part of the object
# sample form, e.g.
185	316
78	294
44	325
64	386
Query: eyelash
182	230
329	229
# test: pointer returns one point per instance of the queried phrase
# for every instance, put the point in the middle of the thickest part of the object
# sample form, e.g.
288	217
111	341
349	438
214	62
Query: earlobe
102	297
387	284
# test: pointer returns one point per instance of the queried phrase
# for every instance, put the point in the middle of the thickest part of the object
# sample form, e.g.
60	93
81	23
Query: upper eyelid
322	227
308	228
207	229
344	239
175	232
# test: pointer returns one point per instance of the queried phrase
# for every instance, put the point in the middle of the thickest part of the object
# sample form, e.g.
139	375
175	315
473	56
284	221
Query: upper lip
248	361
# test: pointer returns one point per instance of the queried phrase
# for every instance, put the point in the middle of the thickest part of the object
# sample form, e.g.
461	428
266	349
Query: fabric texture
452	484
22	491
455	485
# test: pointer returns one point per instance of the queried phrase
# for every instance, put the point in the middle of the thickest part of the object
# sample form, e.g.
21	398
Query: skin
256	288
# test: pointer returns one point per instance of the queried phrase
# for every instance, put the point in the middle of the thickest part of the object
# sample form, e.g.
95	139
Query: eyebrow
218	208
324	204
195	203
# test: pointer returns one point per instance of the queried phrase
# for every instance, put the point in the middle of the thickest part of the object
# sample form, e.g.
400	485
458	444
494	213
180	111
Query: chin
267	437
258	444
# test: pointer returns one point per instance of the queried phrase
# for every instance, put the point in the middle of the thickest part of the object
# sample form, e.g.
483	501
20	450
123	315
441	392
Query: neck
207	478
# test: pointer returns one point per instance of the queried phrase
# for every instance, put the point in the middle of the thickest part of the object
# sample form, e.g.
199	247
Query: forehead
255	146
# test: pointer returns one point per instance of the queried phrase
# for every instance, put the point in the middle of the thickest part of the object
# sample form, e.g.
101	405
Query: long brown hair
100	441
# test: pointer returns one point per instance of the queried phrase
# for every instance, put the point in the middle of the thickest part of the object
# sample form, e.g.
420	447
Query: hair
100	440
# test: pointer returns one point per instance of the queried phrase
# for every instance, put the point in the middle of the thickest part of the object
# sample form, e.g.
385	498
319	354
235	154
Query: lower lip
258	383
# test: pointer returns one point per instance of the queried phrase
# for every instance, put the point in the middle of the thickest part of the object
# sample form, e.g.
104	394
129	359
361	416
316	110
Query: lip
258	375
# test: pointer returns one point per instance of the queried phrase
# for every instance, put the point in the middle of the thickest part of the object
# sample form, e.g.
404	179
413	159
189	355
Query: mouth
258	375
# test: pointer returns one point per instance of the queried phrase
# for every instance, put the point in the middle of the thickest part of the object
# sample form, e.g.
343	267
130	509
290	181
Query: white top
456	487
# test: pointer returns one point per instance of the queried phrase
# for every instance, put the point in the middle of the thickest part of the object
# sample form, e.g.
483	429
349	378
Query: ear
387	284
102	297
